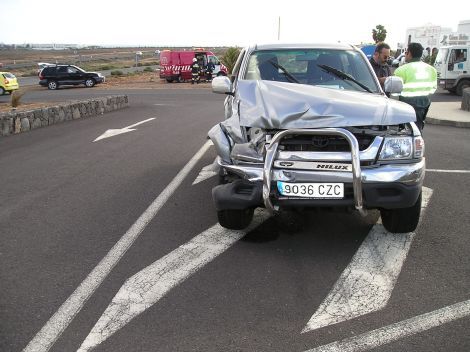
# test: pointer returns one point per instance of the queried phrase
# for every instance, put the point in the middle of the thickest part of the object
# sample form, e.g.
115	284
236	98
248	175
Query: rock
25	125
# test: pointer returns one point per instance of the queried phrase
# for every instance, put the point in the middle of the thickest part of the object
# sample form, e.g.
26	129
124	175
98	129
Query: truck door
216	63
458	63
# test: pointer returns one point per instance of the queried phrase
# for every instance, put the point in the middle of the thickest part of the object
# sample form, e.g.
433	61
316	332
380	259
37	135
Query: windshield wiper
289	77
344	76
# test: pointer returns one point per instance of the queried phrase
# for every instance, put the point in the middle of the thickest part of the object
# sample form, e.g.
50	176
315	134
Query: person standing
419	82
209	70
195	71
379	62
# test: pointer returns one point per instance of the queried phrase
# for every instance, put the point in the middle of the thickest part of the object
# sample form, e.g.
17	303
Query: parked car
41	65
57	75
8	83
398	61
308	126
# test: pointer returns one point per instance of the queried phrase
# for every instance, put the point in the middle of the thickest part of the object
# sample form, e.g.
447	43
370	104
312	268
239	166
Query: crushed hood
279	105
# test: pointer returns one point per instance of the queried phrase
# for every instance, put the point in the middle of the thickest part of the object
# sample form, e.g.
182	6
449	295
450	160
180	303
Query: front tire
52	85
235	219
169	80
2	91
402	220
89	83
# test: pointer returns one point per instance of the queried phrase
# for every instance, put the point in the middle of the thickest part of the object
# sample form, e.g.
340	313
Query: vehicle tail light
41	76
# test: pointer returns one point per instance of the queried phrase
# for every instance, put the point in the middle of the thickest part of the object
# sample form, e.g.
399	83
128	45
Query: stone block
25	125
465	99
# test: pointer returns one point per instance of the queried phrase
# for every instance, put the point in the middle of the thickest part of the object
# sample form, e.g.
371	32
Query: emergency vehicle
175	65
453	68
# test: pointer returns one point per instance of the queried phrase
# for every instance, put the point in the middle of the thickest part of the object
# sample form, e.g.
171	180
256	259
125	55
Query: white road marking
367	283
49	334
147	287
115	132
393	332
449	171
207	172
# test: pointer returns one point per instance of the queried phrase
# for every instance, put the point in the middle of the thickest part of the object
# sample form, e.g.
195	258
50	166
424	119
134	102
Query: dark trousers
421	106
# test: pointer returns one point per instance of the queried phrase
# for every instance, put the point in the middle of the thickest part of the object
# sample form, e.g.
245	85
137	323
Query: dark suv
57	75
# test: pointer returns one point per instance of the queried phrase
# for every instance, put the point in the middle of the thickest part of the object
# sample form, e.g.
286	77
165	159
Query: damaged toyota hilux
309	126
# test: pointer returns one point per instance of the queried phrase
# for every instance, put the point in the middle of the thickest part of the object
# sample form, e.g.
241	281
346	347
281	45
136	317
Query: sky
218	23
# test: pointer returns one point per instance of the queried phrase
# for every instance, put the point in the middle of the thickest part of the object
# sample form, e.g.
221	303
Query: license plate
311	190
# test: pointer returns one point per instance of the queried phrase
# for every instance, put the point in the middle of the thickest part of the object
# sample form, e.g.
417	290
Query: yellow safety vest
419	79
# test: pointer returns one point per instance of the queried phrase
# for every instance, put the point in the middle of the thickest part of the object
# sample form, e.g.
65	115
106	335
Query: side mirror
222	85
393	85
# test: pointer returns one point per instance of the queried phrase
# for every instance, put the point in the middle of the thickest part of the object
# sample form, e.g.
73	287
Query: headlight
397	148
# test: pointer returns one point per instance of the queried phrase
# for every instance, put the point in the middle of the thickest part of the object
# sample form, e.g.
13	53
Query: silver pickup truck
309	126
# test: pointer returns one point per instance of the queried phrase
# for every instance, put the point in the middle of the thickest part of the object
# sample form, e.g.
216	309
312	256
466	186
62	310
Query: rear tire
402	220
52	85
169	80
235	219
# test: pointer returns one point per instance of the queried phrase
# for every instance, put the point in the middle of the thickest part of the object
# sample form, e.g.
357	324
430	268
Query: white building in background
53	46
432	36
429	35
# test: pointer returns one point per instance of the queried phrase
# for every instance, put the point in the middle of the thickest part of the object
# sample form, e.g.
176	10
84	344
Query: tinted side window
62	69
50	71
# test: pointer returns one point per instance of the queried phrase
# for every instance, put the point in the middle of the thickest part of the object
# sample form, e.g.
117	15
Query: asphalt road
66	201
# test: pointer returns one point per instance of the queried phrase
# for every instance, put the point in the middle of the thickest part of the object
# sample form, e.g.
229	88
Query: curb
441	122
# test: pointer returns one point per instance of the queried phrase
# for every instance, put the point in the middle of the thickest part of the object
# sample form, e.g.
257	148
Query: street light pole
279	29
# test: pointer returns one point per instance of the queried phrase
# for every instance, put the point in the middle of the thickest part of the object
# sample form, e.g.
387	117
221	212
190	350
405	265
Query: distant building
429	35
54	46
433	36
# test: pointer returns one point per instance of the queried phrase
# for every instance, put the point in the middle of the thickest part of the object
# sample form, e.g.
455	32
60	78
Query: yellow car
8	83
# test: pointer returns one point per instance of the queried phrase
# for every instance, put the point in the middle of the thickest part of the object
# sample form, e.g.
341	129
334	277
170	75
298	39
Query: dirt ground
142	80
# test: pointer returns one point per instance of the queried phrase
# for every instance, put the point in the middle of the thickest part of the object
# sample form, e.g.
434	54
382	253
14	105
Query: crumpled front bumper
388	186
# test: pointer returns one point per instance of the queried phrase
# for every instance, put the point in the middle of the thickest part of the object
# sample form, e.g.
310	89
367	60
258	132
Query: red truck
175	65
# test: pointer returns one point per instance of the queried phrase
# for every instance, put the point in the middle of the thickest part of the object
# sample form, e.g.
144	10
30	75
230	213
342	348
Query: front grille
319	143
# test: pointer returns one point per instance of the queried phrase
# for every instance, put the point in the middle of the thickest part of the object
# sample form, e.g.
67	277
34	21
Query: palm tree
230	58
379	33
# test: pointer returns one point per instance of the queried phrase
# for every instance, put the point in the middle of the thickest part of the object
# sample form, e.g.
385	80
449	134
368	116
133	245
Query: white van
453	68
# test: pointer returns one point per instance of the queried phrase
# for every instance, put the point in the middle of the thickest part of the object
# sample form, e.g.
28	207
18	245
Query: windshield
441	56
305	67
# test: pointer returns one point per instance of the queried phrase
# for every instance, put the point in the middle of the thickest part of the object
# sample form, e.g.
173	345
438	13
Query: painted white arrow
147	287
367	283
115	132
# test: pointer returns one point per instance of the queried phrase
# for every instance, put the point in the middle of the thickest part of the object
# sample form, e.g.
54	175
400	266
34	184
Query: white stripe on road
367	283
393	332
207	172
449	171
147	287
45	338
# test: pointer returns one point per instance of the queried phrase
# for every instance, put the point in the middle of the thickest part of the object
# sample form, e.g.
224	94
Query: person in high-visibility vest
419	82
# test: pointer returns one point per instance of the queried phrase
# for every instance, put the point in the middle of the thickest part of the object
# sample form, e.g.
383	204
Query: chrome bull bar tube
356	164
